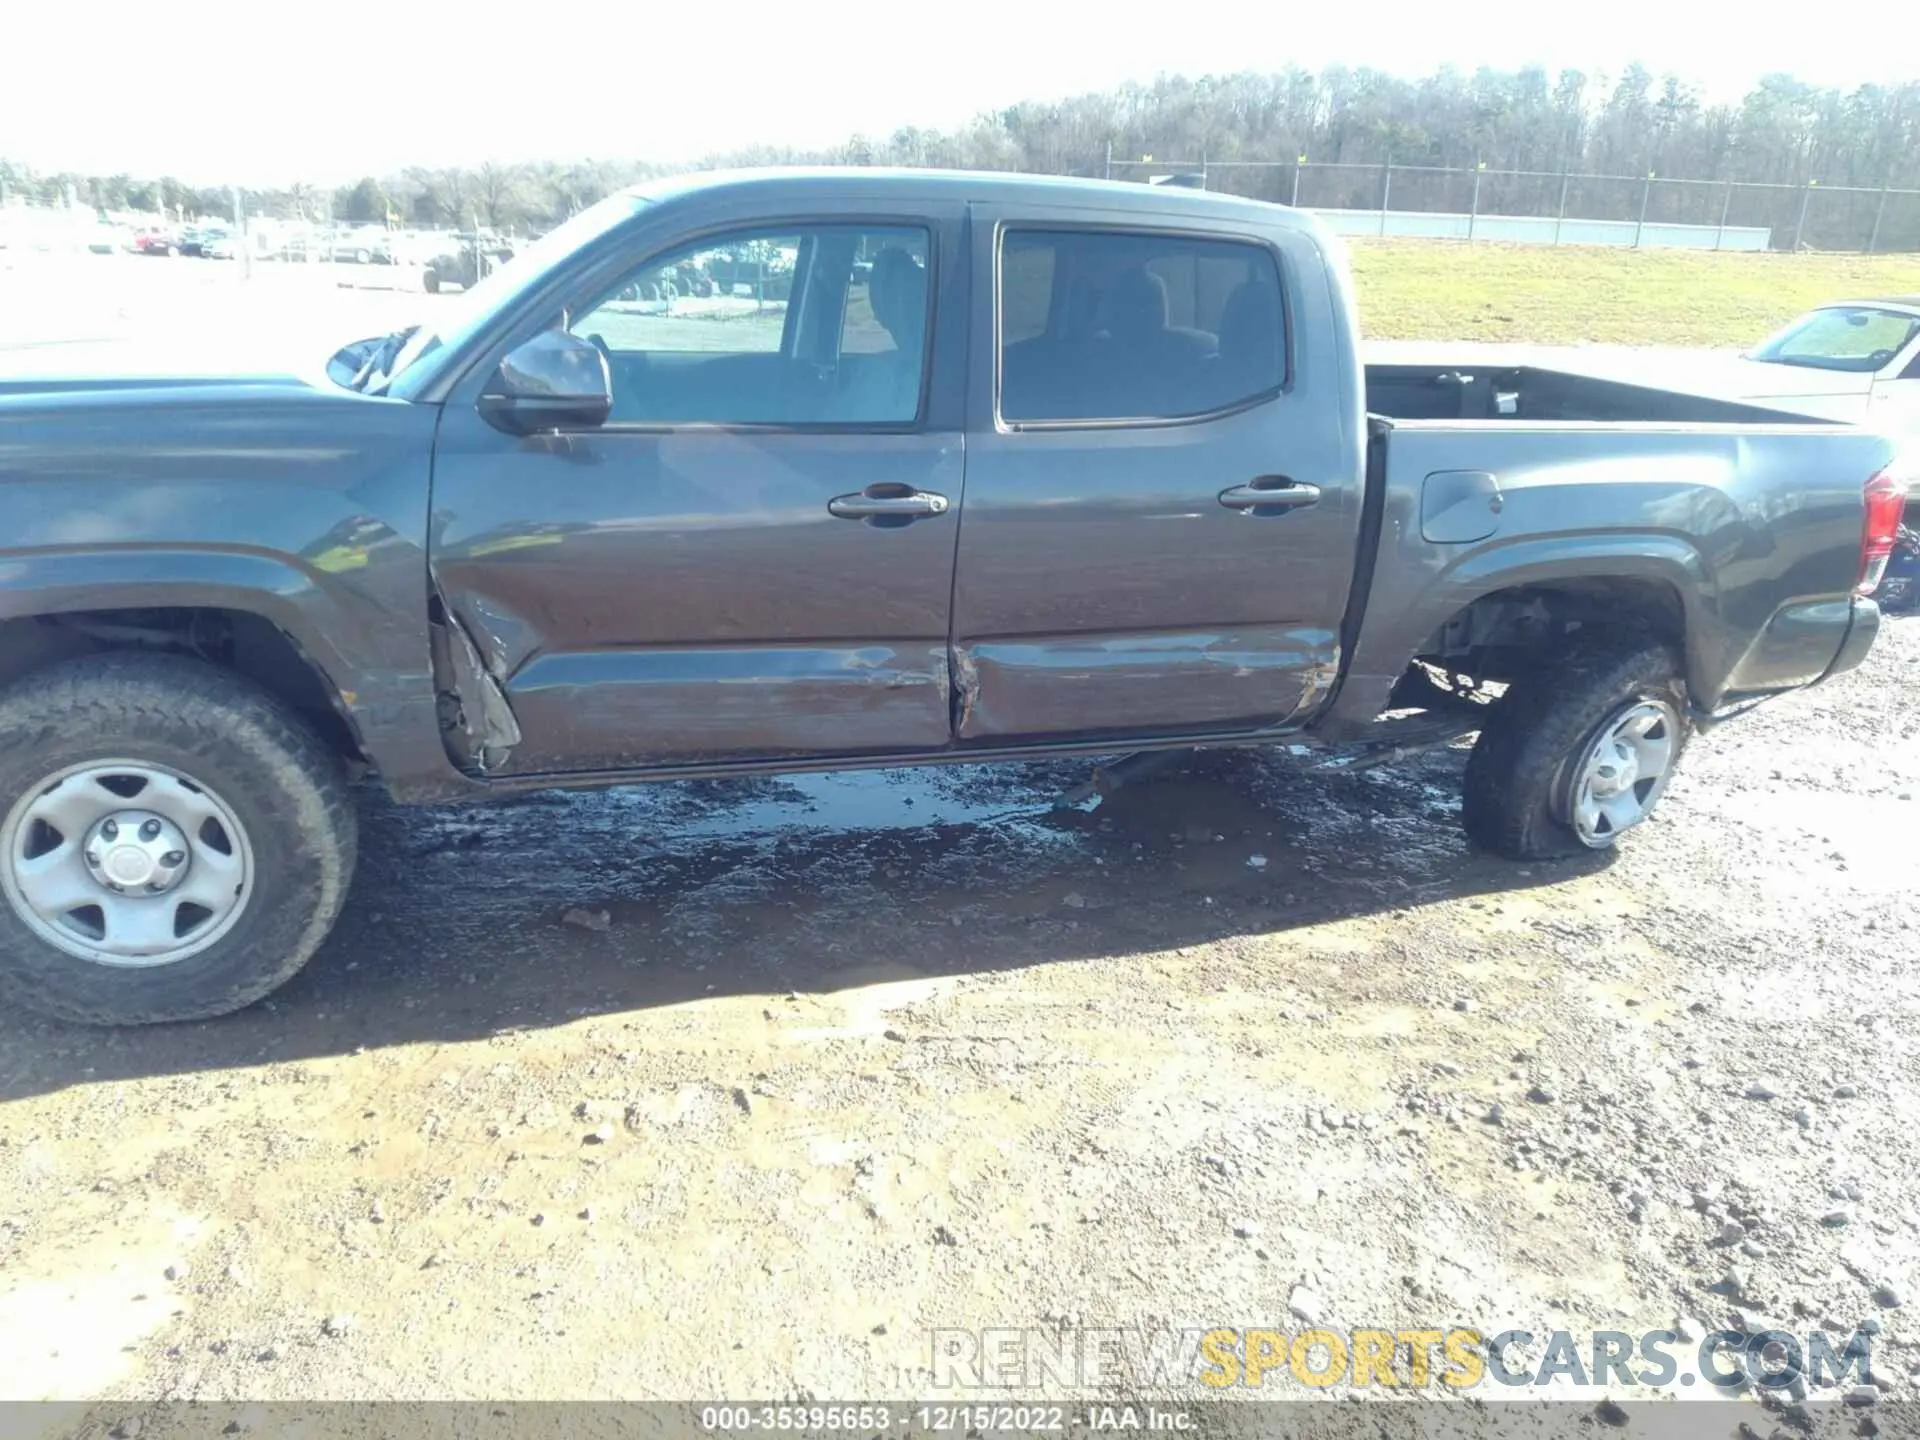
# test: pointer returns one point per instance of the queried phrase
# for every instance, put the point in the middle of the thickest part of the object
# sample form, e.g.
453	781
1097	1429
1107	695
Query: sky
264	94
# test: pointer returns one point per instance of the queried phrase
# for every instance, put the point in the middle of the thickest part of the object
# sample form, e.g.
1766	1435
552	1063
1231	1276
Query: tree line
1782	133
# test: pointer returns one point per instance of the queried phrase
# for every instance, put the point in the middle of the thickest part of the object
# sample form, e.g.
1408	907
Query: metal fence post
1879	211
1560	215
1299	164
1109	174
1386	190
1646	193
1800	225
1473	213
1726	206
240	234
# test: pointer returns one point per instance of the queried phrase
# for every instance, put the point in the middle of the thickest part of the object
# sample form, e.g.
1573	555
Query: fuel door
1459	506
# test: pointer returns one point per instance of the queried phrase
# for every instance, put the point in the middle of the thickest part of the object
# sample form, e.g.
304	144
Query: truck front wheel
174	844
1578	753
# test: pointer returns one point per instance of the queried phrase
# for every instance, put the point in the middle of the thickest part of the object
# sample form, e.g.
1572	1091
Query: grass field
1546	295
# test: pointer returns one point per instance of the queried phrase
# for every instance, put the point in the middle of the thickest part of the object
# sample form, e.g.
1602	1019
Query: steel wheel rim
1623	772
88	863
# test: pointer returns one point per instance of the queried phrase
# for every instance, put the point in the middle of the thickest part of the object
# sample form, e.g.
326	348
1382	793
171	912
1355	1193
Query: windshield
449	319
1844	337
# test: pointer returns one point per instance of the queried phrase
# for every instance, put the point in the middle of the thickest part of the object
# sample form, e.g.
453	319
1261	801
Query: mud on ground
819	1067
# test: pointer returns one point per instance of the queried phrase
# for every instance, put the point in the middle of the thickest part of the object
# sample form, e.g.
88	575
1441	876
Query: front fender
374	668
305	509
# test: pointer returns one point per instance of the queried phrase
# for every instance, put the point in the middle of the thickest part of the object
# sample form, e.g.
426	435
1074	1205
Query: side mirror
555	379
348	360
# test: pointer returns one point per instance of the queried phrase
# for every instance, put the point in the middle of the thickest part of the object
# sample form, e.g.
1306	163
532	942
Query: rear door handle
1270	494
887	503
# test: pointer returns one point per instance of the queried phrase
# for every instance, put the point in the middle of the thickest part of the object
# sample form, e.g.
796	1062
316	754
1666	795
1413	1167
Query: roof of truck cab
986	186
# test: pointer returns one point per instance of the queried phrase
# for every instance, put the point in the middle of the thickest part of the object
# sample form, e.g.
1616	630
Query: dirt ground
837	1063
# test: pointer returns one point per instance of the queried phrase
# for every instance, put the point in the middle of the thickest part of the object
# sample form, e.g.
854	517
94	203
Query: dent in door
1095	684
627	709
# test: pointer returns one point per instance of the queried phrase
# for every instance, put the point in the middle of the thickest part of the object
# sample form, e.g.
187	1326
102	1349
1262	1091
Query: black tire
431	281
1518	776
285	787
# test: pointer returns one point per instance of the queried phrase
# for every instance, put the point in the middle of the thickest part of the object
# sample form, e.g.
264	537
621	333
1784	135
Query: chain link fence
1535	206
1551	207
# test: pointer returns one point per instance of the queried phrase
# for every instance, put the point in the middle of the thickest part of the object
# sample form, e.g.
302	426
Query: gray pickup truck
936	467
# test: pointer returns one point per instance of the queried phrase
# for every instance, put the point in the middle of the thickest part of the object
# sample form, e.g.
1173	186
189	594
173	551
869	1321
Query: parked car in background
290	244
1851	360
408	247
464	260
204	240
223	246
156	242
359	245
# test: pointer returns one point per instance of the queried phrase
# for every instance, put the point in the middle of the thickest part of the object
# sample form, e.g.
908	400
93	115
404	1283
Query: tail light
1886	500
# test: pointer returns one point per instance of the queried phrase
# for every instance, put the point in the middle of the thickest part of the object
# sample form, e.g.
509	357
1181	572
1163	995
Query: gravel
1099	1113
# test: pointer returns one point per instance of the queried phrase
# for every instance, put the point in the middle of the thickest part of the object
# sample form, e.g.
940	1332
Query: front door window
822	325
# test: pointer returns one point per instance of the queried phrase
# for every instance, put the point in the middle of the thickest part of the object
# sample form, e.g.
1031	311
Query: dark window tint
1102	325
818	325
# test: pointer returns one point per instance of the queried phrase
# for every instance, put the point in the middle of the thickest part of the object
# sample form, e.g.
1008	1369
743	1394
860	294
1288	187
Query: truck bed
1745	521
1481	392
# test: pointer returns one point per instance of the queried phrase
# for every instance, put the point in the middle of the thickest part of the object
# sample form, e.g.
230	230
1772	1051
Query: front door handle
1270	494
887	503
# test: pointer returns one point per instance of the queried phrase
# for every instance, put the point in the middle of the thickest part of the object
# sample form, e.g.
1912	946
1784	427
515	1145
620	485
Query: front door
1163	478
1895	407
753	558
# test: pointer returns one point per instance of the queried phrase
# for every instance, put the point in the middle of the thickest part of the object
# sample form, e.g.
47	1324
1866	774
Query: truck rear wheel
174	844
1578	754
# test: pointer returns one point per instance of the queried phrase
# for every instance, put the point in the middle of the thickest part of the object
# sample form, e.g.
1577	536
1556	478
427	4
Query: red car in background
156	242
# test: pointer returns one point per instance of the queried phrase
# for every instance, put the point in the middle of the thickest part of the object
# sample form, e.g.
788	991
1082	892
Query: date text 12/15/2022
869	1420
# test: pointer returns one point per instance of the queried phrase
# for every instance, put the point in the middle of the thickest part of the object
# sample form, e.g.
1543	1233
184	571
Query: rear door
1162	480
753	558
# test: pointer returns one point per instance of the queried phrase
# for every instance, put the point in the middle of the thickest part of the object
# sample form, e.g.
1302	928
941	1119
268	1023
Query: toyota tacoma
951	467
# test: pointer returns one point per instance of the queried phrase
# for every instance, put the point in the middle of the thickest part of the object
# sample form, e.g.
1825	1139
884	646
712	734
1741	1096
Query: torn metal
965	675
476	722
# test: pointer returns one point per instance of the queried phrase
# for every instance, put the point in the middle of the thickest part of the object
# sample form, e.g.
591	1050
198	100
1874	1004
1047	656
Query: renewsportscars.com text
1457	1358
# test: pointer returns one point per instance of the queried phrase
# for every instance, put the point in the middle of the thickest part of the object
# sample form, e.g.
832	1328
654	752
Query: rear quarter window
1122	326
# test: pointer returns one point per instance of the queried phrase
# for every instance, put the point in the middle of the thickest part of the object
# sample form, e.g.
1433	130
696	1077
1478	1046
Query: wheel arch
1610	604
1659	583
256	617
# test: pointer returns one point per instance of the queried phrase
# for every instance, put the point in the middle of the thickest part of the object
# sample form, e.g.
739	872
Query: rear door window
1120	326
